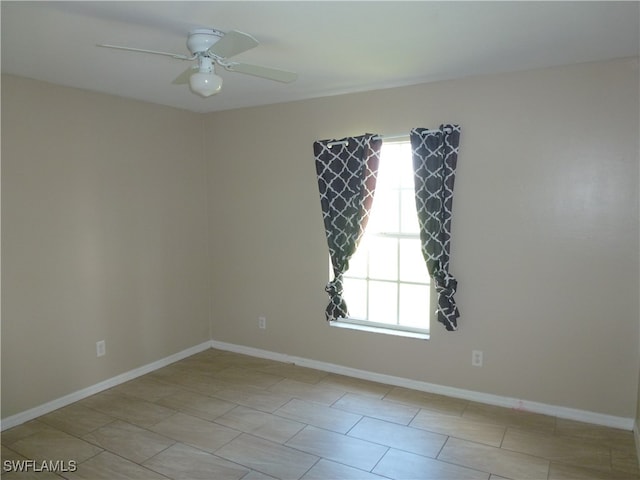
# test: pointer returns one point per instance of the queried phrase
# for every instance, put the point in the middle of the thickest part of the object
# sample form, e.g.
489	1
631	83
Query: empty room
320	240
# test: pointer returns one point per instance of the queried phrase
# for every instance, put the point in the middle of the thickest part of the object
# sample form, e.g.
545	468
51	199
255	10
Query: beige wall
104	235
545	233
103	238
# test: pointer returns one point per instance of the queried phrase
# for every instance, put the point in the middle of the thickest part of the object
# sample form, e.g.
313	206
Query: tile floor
220	415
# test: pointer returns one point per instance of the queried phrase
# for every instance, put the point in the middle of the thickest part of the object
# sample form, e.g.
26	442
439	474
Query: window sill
382	330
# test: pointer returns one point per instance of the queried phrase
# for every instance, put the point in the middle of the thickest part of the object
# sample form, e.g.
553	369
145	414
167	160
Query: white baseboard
48	407
487	398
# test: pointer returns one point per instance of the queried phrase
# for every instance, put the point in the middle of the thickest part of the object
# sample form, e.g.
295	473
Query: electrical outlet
101	348
476	358
262	322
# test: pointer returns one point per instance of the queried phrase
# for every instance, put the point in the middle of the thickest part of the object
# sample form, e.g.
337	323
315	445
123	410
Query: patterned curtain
435	155
347	171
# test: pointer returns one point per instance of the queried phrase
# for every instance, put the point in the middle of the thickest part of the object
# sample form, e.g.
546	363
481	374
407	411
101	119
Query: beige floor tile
55	445
107	466
380	409
306	391
170	373
242	376
487	433
253	397
196	381
146	388
560	471
197	404
400	437
8	454
17	467
355	385
568	450
409	466
12	435
184	462
340	448
595	433
428	401
129	441
31	475
207	362
267	457
625	460
319	415
195	431
255	475
494	460
510	417
260	424
295	372
77	419
130	409
326	470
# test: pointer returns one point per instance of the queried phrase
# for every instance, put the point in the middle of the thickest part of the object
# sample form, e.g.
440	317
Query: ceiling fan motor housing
202	39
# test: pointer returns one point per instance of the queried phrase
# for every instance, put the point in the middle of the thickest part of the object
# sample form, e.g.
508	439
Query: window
387	284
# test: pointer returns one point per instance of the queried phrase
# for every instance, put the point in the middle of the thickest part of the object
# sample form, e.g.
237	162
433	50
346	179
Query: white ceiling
336	47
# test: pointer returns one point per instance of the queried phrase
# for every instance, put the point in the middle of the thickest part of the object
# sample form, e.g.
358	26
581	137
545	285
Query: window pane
409	215
406	168
414	305
387	175
358	262
412	265
355	294
383	258
385	212
383	302
396	159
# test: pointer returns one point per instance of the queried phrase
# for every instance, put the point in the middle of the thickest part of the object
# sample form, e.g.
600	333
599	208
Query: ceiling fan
212	47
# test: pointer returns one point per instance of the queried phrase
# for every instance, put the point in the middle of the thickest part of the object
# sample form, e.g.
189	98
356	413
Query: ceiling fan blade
233	43
141	50
185	76
264	72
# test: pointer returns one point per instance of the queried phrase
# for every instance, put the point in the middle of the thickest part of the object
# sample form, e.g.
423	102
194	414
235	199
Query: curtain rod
390	137
384	137
404	135
376	137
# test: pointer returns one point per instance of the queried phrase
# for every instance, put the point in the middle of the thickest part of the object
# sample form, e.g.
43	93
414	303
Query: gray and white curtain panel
347	171
435	156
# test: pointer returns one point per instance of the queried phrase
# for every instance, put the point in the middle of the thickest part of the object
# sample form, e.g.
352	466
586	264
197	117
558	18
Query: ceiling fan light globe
205	84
